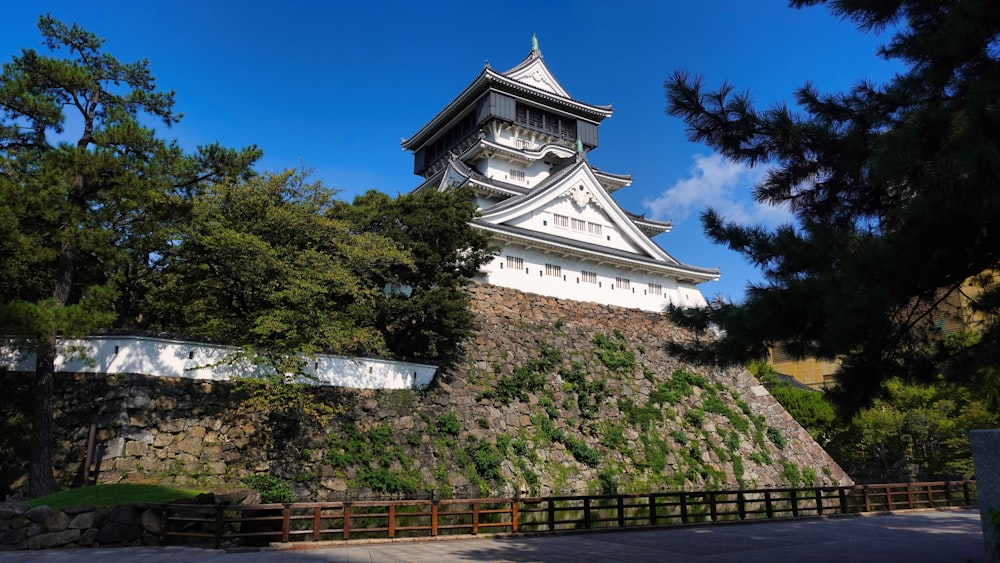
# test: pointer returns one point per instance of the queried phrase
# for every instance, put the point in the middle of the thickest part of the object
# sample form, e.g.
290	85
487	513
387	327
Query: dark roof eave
486	80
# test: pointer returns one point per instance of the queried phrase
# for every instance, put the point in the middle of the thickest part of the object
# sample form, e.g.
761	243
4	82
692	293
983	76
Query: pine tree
895	190
80	210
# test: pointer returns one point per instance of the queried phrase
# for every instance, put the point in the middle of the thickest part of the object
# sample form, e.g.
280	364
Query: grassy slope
111	495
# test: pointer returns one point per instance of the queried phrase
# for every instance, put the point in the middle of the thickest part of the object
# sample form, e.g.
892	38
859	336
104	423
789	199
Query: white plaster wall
570	286
177	358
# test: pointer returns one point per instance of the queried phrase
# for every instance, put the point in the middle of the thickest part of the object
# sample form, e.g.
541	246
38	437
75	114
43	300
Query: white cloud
722	185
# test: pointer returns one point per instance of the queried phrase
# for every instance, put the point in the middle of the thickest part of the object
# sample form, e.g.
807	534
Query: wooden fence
338	521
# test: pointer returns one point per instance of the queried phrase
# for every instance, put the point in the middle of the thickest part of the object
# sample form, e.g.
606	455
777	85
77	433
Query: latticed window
588	277
517	175
515	263
623	283
553	270
578	225
560	221
655	289
594	228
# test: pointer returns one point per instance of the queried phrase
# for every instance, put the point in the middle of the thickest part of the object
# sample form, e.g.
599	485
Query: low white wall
177	358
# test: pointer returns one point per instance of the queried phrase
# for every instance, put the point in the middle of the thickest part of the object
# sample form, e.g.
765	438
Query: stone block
986	457
118	533
143	435
152	521
171	426
87	537
112	448
39	513
190	445
123	514
162	440
82	521
13	536
78	509
136	449
34	529
216	468
53	539
57	521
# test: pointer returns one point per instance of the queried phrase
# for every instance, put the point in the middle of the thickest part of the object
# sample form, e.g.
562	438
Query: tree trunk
40	480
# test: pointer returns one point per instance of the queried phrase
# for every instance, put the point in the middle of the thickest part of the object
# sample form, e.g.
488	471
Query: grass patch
102	496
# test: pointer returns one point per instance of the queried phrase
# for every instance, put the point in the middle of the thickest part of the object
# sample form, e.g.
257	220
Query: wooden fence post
392	521
317	513
768	507
219	523
434	517
586	513
475	518
684	508
842	494
741	505
165	519
794	497
819	501
967	492
347	521
868	502
621	512
513	516
652	509
714	510
552	514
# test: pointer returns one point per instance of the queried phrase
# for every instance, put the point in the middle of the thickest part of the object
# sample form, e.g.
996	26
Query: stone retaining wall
187	433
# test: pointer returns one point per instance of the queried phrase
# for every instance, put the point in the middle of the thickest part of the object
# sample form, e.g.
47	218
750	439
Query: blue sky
335	86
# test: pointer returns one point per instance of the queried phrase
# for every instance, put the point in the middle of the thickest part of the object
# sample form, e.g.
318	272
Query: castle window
588	277
522	143
553	270
515	262
517	175
623	283
578	225
545	121
655	289
560	221
594	229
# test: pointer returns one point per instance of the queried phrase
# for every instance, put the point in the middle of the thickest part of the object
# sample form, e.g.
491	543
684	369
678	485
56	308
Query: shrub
776	438
448	423
614	352
382	480
486	459
695	417
270	488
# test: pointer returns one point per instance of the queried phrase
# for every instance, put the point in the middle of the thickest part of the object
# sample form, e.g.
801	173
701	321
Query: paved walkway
946	536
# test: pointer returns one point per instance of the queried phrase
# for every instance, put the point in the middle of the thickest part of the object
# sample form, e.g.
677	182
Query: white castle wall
532	278
177	358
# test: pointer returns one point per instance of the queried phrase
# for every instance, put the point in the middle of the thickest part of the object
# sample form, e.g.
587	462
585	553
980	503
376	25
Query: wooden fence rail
324	521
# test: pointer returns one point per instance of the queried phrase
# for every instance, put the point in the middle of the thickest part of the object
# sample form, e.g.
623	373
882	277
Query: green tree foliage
426	310
80	209
894	191
911	432
914	432
812	409
263	264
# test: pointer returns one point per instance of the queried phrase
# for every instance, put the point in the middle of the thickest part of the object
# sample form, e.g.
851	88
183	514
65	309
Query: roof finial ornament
579	146
534	43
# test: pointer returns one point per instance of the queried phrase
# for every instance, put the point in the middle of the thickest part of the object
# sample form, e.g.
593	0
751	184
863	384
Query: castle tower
521	142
